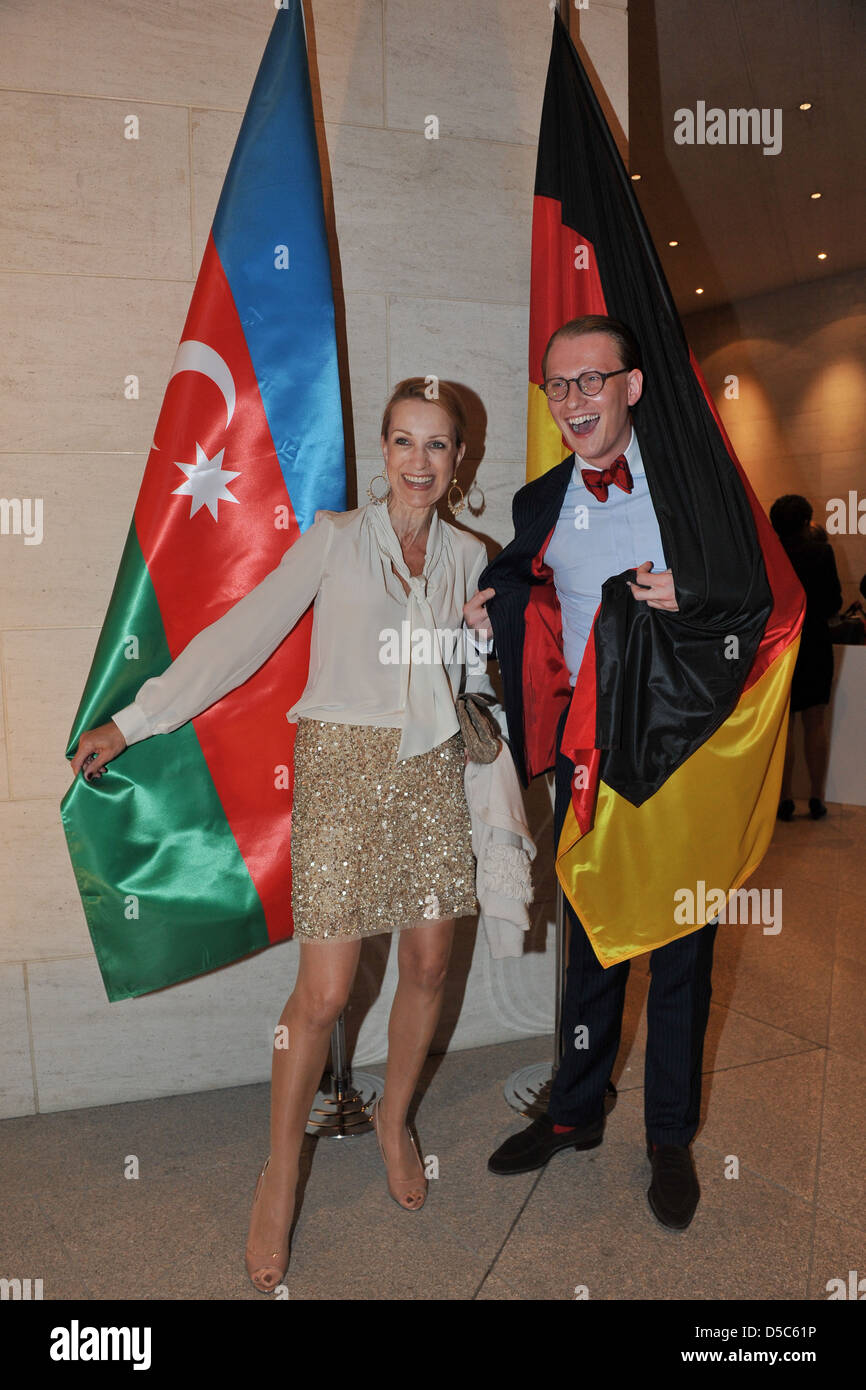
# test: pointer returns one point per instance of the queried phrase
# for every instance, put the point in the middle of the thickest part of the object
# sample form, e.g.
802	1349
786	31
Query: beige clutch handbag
478	726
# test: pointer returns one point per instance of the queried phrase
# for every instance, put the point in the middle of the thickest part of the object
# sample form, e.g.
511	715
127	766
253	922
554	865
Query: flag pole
527	1090
341	1109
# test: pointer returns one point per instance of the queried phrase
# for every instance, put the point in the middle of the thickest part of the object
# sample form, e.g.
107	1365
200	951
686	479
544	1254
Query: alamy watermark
736	126
77	1343
420	645
22	516
846	518
20	1289
854	1288
746	906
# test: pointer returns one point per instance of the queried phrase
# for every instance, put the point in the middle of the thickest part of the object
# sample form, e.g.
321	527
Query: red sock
563	1129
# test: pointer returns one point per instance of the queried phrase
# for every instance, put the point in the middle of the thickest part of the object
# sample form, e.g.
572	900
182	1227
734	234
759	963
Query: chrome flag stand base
528	1090
342	1110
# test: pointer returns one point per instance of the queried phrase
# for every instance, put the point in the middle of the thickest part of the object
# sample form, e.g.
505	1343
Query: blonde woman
380	831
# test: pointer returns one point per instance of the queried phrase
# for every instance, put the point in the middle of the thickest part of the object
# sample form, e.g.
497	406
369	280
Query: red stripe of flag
200	566
560	290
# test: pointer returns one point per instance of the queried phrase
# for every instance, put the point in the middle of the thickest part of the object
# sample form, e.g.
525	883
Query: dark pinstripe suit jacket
527	625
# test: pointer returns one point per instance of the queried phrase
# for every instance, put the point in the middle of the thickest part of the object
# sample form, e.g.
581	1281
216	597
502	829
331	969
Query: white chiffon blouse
378	656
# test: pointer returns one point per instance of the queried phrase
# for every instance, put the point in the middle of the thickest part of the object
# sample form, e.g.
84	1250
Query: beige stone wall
100	242
798	422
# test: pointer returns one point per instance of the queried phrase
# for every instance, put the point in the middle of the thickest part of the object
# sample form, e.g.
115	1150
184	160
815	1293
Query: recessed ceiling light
814	195
805	106
698	291
673	243
635	177
822	255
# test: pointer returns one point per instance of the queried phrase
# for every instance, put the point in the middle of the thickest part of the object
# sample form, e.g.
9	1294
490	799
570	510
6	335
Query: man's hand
656	590
96	748
475	612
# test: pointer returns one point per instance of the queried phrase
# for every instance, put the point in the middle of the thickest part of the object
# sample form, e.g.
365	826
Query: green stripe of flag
153	819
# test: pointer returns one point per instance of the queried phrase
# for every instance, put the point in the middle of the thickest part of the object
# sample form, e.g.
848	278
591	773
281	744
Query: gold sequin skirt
377	845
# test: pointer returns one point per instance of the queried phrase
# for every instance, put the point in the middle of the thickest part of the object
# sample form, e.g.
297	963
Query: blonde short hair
415	388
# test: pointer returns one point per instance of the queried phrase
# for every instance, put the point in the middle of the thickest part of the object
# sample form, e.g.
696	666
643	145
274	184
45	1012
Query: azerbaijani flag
181	850
678	721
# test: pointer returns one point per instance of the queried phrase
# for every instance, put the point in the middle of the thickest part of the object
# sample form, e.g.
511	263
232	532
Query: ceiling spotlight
805	106
635	177
698	291
822	255
814	195
673	243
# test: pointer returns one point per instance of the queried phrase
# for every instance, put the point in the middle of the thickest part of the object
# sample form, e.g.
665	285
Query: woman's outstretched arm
221	656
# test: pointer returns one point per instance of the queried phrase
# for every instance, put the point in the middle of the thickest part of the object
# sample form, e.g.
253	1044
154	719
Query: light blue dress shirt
593	540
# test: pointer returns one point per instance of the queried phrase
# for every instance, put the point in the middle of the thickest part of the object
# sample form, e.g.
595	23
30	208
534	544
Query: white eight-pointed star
206	481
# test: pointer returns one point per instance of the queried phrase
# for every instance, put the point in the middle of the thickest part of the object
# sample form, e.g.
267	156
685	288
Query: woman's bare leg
788	772
815	740
422	956
325	976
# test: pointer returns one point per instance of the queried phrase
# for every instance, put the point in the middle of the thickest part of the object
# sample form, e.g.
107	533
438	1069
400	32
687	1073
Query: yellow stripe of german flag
718	809
544	446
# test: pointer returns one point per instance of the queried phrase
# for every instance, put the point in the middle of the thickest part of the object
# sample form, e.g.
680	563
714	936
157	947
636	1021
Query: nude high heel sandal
410	1194
266	1271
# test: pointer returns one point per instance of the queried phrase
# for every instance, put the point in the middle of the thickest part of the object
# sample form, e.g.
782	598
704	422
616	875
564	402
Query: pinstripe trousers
677	1012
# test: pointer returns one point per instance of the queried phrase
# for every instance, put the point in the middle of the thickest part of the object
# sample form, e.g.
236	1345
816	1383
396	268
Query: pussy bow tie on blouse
598	480
425	691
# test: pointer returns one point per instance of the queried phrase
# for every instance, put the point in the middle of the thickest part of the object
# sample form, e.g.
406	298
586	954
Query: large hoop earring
377	501
455	508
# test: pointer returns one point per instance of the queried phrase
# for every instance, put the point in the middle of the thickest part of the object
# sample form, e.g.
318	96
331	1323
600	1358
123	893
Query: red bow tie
598	480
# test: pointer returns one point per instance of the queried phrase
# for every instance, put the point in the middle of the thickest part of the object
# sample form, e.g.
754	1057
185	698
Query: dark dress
815	568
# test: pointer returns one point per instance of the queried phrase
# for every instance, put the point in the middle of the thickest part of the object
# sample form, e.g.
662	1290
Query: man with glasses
587	519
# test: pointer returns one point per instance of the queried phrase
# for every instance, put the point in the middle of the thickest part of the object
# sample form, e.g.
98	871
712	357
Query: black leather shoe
673	1193
817	809
786	810
533	1146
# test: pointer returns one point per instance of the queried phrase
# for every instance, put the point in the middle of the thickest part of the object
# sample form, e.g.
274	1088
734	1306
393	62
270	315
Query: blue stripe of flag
272	197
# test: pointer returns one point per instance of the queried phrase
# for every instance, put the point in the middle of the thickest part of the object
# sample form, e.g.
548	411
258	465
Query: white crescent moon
193	356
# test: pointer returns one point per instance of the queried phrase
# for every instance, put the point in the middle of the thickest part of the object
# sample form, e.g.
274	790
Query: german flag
677	721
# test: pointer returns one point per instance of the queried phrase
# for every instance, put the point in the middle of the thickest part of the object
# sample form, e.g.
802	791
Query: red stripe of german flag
565	284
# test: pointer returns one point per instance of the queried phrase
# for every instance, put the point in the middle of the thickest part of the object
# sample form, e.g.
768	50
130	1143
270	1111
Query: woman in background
811	555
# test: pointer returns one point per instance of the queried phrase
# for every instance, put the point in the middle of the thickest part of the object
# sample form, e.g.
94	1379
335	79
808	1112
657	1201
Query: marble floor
784	1104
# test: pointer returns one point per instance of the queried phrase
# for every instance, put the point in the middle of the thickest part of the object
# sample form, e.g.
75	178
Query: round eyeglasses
588	383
